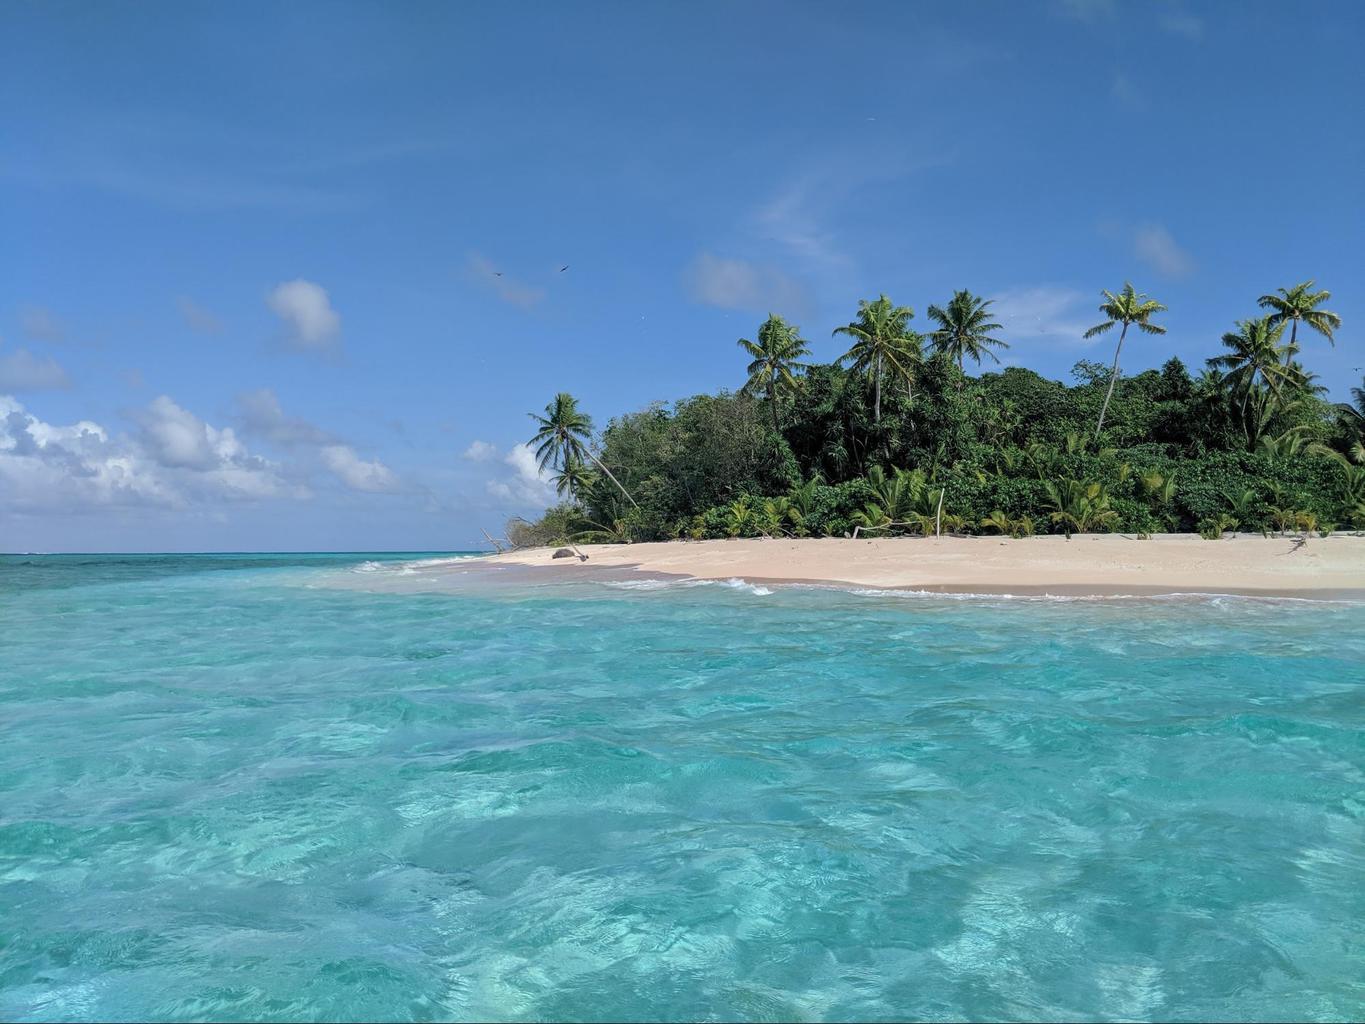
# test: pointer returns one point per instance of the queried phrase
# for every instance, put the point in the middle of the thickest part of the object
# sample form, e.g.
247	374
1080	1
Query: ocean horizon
345	786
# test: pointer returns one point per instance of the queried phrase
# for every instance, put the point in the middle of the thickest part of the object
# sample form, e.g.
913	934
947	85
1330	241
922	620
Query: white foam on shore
735	583
1215	600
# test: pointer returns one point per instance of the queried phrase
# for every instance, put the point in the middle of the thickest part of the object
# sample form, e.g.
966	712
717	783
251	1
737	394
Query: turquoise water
256	787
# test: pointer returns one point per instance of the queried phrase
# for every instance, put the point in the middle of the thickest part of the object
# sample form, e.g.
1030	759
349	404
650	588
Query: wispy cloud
1181	23
1086	10
484	272
797	218
1053	315
21	370
197	318
1155	246
39	323
739	284
1123	89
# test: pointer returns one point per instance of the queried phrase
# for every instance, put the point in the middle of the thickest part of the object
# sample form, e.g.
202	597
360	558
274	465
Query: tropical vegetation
895	437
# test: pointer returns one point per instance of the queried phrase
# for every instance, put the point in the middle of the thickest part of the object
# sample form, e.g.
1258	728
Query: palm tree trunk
1293	338
1113	379
772	400
877	408
598	463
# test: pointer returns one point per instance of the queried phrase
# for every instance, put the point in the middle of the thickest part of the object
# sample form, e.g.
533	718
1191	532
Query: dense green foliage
889	440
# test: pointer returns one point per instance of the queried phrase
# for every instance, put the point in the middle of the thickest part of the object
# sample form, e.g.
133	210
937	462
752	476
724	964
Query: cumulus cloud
21	370
176	460
39	324
529	485
1154	245
356	473
480	451
738	284
261	416
310	321
485	273
197	318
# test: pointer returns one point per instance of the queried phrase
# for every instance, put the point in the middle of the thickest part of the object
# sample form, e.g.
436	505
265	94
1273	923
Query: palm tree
965	330
1301	303
574	478
881	338
1354	419
775	356
1253	358
1080	505
1128	308
563	438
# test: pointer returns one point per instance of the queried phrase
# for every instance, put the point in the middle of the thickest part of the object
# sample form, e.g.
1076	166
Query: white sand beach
1085	564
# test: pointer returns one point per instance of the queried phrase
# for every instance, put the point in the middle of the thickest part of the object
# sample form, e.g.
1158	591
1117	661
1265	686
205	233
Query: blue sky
249	300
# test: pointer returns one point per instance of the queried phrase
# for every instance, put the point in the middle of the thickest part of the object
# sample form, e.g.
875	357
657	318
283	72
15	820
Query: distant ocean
317	787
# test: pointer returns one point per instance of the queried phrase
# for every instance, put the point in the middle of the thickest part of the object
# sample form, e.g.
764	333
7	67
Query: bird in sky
497	273
563	268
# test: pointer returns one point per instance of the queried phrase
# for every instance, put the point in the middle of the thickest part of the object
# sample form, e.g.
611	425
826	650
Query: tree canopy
826	449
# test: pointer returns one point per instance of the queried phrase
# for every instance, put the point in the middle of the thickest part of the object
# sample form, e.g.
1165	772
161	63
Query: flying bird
497	273
563	268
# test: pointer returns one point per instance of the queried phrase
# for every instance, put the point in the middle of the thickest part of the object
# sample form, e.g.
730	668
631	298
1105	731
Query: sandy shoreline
1100	565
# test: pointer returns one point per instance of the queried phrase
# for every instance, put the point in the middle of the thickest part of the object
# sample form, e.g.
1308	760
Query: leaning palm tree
881	341
964	329
564	436
1301	303
1128	308
779	347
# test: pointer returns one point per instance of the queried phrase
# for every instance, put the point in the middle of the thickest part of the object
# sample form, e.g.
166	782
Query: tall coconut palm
1253	357
779	347
563	438
964	329
1300	304
882	340
1131	309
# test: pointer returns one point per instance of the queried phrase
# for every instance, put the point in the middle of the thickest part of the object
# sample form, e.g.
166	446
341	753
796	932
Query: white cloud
1154	245
177	460
738	284
310	321
21	370
373	477
485	273
1057	316
529	486
39	323
198	318
480	451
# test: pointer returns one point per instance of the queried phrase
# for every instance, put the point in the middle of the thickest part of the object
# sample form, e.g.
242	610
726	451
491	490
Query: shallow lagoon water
268	789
